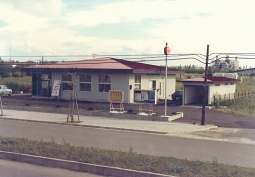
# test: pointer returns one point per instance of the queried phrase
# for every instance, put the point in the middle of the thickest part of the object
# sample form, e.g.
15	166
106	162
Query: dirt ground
192	114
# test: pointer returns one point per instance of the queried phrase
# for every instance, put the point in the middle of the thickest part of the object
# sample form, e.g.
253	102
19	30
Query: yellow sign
116	96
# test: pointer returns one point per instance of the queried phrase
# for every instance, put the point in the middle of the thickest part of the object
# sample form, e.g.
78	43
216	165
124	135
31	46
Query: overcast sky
111	27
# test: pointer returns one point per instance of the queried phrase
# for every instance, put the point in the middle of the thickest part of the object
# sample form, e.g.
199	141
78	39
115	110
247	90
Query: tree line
190	69
10	70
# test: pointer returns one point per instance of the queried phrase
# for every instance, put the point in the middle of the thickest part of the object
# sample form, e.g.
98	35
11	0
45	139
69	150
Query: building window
66	81
104	83
231	83
137	81
153	85
217	84
85	82
226	84
45	76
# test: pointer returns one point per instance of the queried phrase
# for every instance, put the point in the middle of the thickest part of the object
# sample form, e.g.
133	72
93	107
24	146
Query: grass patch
241	106
122	159
27	80
248	83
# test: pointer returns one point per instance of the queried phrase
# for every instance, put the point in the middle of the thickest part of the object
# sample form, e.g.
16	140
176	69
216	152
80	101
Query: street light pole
166	52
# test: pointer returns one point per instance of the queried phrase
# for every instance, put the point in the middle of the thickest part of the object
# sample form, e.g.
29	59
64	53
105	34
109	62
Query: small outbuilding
193	89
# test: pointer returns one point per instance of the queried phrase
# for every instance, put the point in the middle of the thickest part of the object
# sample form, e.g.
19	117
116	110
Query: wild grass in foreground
129	160
240	106
248	83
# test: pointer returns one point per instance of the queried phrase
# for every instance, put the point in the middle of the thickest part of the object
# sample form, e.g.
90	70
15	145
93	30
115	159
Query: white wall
63	94
121	82
118	82
146	84
191	93
220	90
132	83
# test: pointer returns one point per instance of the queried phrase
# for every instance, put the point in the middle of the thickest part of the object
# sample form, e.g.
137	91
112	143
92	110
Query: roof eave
152	71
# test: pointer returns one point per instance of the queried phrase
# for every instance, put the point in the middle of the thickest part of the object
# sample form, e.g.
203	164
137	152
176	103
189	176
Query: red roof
103	63
211	79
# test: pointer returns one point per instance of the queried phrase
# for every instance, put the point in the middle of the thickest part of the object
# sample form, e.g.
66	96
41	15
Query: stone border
97	113
91	126
77	166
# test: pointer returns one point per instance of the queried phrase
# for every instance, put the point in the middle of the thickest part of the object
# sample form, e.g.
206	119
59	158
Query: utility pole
205	87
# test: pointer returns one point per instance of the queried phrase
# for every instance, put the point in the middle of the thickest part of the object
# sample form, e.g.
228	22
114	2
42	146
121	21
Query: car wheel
9	94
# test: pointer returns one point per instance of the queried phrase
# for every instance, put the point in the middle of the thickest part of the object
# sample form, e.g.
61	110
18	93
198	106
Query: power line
137	58
153	57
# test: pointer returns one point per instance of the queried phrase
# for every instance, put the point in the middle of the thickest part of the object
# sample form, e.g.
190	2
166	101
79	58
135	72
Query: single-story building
193	89
94	79
246	72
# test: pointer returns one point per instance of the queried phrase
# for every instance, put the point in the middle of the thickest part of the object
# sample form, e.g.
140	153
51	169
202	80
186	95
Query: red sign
166	50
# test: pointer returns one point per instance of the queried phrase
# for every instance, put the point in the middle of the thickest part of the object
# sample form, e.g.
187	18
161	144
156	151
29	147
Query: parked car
5	91
177	95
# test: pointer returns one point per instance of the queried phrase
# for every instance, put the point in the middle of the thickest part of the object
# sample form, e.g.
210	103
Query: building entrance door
161	90
41	85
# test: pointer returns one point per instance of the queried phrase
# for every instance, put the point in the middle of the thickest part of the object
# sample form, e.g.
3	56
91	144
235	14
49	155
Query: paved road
192	114
17	169
154	144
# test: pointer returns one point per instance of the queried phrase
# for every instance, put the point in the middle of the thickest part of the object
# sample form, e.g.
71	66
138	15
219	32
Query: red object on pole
166	50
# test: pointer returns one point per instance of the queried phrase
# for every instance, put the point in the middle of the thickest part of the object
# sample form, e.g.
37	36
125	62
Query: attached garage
193	89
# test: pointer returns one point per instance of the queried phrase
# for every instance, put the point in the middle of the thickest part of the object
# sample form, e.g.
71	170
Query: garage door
194	94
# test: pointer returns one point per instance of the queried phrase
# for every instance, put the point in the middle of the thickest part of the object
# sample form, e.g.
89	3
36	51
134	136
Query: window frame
66	82
138	85
86	82
104	83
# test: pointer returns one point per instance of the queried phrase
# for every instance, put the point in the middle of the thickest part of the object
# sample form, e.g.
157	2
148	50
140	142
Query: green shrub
16	74
16	87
